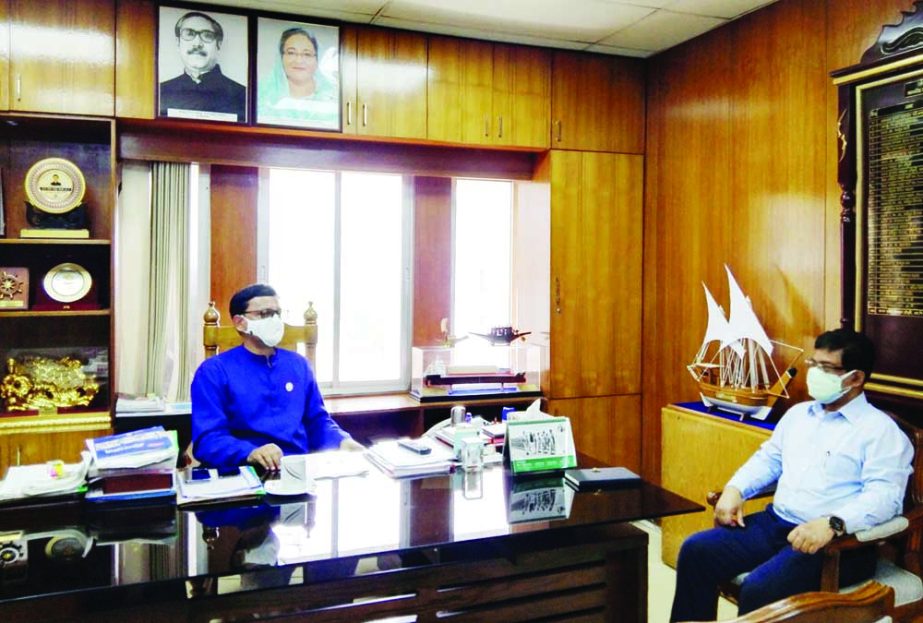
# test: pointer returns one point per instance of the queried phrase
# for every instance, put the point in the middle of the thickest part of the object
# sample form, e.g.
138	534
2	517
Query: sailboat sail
743	323
718	329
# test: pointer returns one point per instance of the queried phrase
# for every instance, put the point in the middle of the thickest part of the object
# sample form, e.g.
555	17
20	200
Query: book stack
399	462
133	467
128	403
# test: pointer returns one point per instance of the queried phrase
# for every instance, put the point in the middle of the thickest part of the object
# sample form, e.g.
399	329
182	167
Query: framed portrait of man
298	74
202	65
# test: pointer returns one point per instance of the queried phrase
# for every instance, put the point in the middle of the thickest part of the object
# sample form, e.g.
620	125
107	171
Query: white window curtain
154	340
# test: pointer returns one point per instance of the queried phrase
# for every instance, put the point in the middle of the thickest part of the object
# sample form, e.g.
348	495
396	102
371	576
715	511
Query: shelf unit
47	328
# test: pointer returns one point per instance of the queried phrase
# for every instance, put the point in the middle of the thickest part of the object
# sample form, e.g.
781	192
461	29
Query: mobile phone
414	446
197	473
226	472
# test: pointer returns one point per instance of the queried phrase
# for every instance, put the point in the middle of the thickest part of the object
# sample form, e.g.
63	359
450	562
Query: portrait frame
281	71
223	94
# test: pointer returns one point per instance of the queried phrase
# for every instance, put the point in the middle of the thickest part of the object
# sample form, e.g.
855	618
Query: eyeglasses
264	313
291	53
824	367
207	36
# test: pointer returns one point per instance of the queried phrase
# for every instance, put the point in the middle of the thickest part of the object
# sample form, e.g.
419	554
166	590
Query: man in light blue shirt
840	464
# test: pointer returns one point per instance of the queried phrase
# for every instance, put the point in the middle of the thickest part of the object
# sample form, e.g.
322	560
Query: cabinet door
597	103
596	206
38	447
349	44
521	96
391	83
607	429
460	91
62	56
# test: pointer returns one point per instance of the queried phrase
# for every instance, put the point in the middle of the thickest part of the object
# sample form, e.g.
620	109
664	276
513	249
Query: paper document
244	484
24	481
336	464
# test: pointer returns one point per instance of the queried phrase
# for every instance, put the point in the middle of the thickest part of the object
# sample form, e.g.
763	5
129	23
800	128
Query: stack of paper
127	403
398	462
44	480
243	485
137	466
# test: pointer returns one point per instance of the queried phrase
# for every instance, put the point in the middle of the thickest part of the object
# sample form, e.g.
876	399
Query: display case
476	370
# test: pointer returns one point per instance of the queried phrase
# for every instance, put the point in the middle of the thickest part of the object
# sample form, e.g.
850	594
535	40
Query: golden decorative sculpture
40	383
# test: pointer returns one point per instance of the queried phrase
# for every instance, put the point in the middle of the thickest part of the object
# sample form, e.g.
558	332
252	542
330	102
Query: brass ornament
41	383
10	285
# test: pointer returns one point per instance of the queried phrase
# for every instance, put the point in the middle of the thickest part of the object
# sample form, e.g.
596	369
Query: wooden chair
869	603
899	541
216	337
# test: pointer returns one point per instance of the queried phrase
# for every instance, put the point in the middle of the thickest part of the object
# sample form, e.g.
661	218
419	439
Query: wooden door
391	83
349	51
460	91
521	96
62	56
597	103
596	207
607	429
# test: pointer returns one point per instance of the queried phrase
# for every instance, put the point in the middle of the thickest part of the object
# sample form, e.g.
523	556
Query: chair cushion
883	530
908	588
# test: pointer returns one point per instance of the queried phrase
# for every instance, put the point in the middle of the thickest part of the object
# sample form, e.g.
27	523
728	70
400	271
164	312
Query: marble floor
661	582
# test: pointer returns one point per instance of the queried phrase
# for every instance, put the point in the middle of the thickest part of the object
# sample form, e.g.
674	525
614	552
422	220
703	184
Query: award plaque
55	188
14	288
67	283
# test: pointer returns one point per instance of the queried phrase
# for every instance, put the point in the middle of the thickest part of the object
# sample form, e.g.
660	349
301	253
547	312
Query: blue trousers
715	556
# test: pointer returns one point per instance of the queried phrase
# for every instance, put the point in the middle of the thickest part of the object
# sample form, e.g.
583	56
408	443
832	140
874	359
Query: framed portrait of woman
202	65
298	74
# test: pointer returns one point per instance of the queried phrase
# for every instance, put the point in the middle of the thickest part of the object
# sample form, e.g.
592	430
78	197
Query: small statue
40	383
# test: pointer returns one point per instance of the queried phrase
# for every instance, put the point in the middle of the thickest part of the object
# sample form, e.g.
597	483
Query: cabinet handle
365	115
557	295
486	126
349	112
500	123
18	87
18	455
558	123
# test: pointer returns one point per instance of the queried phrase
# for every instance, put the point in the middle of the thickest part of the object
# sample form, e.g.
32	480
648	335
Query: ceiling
624	27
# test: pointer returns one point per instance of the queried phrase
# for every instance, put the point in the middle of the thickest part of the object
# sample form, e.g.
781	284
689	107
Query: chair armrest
712	497
893	526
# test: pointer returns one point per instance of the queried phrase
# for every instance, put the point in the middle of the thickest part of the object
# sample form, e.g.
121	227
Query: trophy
55	208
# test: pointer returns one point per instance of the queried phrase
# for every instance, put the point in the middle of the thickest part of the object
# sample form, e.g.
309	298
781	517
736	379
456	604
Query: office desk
465	547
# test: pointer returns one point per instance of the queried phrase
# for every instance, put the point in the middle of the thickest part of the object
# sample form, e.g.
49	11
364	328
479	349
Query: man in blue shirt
840	465
254	403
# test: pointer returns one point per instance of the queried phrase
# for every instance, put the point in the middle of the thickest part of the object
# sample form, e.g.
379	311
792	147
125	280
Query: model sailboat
734	367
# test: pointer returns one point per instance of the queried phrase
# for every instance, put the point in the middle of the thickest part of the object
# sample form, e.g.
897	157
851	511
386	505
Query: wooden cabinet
596	211
700	453
48	328
597	103
58	56
607	429
61	441
483	93
384	82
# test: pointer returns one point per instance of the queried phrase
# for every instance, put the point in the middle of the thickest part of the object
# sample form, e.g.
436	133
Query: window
342	241
481	296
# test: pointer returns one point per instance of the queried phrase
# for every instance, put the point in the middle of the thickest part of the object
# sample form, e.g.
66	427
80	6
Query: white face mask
268	330
826	387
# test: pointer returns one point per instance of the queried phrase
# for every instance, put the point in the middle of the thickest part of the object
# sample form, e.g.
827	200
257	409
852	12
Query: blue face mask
826	387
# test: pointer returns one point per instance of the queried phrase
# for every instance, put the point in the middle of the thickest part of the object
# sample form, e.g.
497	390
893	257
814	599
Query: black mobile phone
226	472
414	446
197	473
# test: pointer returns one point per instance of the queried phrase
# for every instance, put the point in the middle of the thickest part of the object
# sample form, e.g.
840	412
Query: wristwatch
837	525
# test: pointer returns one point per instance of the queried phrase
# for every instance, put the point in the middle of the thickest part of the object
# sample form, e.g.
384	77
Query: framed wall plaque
880	141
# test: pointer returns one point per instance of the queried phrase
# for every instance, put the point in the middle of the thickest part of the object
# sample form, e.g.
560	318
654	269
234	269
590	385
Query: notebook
600	477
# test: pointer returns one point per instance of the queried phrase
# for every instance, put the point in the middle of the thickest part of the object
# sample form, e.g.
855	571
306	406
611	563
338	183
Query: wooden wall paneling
607	429
234	197
230	145
521	95
686	218
63	56
735	149
135	84
39	446
391	83
596	248
852	27
432	258
5	55
349	50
